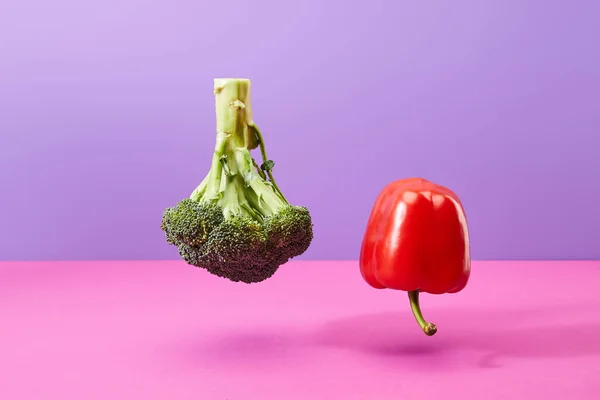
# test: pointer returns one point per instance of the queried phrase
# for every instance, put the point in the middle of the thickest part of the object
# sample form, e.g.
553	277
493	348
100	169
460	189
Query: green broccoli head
239	248
237	224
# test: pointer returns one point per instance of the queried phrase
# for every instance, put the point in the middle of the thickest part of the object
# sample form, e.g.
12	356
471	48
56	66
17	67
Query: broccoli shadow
246	349
487	339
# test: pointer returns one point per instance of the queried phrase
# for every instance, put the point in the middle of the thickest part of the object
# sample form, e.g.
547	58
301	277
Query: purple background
107	116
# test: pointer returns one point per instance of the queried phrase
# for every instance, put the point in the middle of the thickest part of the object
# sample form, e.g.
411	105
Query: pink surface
164	330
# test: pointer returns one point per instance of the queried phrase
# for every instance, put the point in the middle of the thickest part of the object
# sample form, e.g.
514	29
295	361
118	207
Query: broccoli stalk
237	224
234	181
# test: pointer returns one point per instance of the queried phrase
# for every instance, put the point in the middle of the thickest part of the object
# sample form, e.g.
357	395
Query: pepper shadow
487	338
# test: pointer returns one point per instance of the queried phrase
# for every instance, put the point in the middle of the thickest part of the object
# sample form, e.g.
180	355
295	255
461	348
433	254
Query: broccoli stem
234	182
201	189
263	152
234	110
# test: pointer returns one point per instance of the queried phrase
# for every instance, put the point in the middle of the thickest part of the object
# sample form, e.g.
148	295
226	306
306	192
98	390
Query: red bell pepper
417	240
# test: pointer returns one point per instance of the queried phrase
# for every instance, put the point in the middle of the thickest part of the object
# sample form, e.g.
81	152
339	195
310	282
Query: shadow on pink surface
491	337
471	338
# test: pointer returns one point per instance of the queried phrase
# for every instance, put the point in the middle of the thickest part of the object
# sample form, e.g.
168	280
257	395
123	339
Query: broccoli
237	224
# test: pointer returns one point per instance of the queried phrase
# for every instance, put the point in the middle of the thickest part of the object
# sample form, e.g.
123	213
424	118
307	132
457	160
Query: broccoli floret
237	224
191	222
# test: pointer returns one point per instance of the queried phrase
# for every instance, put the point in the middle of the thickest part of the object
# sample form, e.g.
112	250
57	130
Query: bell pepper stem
429	328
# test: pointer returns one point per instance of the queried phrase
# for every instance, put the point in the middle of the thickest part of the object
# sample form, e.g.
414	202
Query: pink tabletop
165	330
